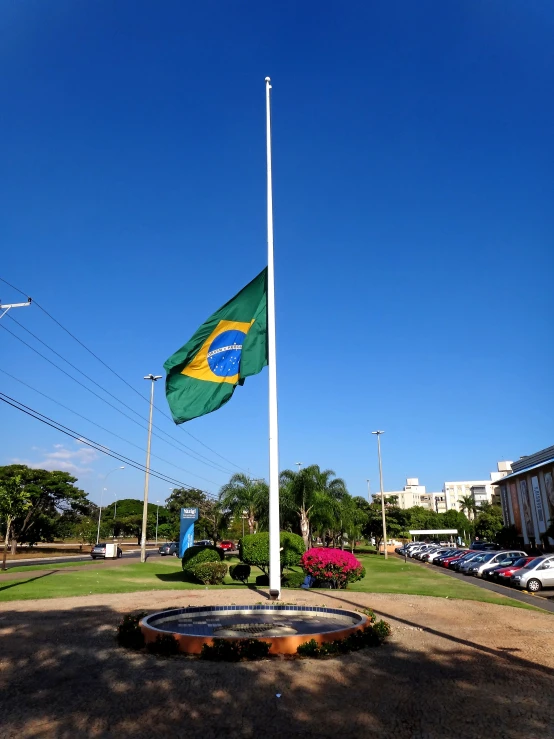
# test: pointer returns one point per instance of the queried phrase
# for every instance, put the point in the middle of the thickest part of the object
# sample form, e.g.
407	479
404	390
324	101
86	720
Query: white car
437	553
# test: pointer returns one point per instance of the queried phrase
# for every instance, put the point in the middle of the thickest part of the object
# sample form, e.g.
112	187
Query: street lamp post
157	519
153	379
368	493
378	434
101	495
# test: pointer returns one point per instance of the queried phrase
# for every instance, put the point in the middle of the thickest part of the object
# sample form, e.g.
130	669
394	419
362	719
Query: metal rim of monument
285	626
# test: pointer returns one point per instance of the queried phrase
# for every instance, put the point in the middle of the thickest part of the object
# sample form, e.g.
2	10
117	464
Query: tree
309	489
215	519
398	521
467	504
86	530
14	501
48	493
244	496
352	519
489	523
185	498
212	518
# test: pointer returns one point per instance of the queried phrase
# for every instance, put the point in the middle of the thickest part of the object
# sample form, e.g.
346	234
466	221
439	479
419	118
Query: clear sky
413	190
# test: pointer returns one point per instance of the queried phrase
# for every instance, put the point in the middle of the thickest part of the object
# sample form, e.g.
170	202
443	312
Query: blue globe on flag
225	352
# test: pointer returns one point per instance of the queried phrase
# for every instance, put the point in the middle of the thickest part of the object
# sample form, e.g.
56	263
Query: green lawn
391	576
32	568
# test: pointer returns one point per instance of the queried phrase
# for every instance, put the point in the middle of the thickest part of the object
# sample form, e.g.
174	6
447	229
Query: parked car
503	573
227	546
170	547
98	551
467	557
450	557
491	559
538	574
432	556
484	546
203	543
480	557
423	550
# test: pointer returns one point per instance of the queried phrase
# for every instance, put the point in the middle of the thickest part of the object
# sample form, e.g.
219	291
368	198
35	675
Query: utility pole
378	434
8	306
153	379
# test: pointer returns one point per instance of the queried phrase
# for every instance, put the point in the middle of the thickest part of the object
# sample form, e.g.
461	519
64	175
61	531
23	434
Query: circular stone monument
286	627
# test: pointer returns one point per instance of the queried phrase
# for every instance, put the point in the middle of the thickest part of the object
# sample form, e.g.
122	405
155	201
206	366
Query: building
414	494
482	491
527	497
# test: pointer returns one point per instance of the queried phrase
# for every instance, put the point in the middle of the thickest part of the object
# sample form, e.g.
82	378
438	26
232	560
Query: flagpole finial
268	79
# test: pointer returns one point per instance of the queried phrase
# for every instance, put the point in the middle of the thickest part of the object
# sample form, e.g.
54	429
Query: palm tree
310	492
468	504
245	496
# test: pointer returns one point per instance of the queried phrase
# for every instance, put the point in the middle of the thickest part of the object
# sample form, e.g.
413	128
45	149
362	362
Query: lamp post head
153	377
378	432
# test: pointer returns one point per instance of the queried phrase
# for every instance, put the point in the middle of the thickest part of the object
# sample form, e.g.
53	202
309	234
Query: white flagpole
274	527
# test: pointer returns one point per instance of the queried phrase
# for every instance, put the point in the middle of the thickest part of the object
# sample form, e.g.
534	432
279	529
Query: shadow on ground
62	676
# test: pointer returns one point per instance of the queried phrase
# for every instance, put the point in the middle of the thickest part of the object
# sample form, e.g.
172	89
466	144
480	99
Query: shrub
333	567
262	581
232	651
370	613
209	573
129	633
293	579
240	573
165	645
372	636
382	630
254	550
196	555
308	649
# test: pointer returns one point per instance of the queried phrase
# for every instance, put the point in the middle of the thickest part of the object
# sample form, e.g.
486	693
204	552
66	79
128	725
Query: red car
504	574
446	562
227	546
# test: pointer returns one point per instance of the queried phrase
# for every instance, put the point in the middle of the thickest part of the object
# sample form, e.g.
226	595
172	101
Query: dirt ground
452	669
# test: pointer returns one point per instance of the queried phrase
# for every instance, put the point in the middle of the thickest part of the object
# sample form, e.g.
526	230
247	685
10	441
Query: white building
482	491
414	494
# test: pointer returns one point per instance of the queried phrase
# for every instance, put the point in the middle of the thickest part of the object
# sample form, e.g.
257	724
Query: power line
191	453
199	441
133	388
103	428
199	457
91	443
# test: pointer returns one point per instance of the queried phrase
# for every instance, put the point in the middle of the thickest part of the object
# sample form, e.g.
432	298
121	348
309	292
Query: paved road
543	600
84	558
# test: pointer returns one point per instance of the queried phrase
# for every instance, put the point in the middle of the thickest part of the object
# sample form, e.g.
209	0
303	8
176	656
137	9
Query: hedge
293	579
197	555
254	550
240	573
210	573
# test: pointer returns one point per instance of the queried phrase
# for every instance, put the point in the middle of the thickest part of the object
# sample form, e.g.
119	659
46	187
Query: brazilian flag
229	346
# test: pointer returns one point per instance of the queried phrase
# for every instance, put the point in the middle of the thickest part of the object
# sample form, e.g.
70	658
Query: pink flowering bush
334	567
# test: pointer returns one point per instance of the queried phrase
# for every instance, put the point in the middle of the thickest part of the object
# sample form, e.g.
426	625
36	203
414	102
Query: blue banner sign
186	535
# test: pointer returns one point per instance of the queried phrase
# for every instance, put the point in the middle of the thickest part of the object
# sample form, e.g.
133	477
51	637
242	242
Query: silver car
538	574
492	559
479	559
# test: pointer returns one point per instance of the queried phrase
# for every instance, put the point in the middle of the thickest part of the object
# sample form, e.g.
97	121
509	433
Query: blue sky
413	160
